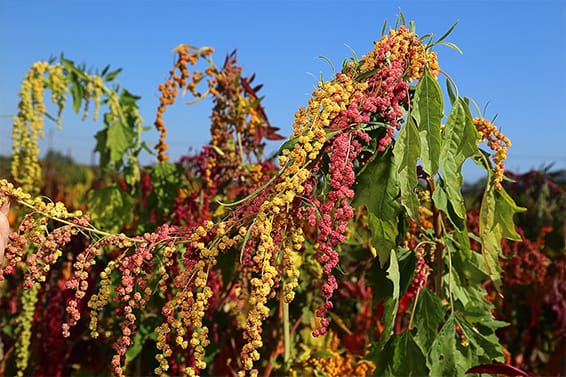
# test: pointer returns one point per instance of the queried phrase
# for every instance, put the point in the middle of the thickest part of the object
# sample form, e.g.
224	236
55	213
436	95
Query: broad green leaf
378	191
407	150
166	179
120	139
442	202
464	359
459	142
490	234
439	196
77	92
495	222
429	314
110	208
400	357
442	359
480	313
407	264
101	141
505	209
462	237
469	266
428	111
485	347
377	278
128	99
391	303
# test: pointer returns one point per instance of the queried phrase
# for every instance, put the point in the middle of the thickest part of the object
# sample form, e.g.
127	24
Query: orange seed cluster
179	78
498	143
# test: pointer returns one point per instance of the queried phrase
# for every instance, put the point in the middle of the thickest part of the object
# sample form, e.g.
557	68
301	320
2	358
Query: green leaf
166	179
77	92
407	266
112	75
480	313
120	139
101	141
459	143
466	293
391	303
327	60
495	222
486	347
378	191
469	265
69	65
429	314
451	45
104	70
505	209
428	111
442	355
400	357
442	202
451	90
407	150
412	27
110	208
445	35
128	99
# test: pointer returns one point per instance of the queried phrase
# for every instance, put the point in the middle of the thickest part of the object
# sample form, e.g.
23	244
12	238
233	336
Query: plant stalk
286	333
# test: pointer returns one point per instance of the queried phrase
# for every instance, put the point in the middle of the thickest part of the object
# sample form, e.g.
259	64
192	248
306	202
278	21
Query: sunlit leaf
429	314
112	75
391	303
378	191
407	150
451	45
428	111
119	140
448	32
442	356
111	208
496	222
459	142
485	347
167	180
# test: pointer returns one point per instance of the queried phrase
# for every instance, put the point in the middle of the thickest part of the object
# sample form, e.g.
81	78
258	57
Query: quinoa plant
347	253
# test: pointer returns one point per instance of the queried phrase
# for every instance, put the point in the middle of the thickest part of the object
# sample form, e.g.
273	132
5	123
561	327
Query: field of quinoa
356	249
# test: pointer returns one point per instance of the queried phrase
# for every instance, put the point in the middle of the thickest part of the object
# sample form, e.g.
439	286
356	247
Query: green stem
286	333
438	227
85	228
253	194
413	309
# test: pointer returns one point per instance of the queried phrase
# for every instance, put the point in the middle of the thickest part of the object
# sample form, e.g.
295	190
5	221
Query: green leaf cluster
451	327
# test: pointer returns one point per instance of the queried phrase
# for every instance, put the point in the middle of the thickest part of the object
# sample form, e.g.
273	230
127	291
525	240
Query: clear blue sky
514	58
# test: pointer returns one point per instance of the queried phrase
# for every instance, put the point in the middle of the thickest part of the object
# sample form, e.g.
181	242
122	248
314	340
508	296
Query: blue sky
514	58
